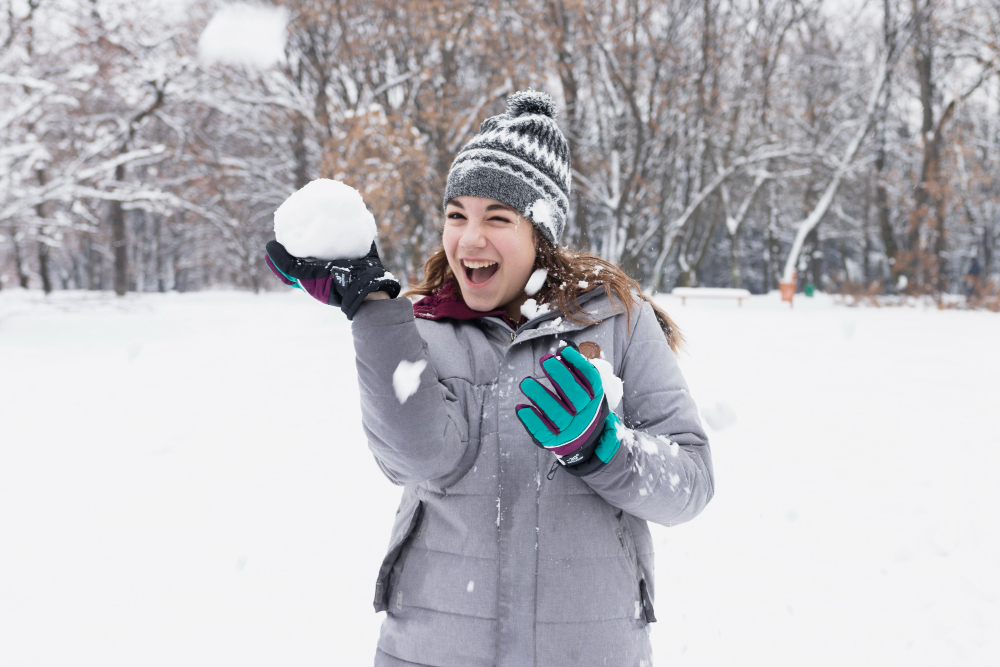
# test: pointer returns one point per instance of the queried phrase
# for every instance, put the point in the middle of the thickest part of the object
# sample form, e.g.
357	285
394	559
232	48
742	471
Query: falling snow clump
406	378
536	281
718	415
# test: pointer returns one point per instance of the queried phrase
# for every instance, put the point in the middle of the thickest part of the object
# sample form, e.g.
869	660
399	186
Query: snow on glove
337	282
573	420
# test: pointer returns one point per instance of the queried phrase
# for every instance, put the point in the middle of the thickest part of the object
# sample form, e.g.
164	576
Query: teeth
477	265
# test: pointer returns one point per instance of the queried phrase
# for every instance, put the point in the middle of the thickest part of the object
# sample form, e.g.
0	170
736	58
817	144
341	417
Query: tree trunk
22	276
93	264
43	248
773	242
881	194
119	242
561	19
161	282
882	200
699	259
813	255
989	239
735	261
300	153
929	192
43	266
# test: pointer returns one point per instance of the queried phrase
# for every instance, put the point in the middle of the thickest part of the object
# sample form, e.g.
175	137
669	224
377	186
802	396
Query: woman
521	537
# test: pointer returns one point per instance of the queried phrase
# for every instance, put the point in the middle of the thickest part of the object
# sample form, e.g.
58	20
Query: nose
473	237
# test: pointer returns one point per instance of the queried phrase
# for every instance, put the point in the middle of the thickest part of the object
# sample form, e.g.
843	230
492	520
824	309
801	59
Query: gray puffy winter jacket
491	562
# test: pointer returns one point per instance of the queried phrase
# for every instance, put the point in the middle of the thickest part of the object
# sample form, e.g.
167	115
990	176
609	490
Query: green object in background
809	289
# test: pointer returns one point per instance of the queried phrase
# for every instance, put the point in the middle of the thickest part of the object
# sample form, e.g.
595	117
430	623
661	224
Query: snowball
583	284
613	386
406	378
326	219
536	281
541	214
245	34
470	587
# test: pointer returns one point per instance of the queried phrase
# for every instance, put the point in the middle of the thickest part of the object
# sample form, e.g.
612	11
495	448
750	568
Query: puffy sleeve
662	471
424	437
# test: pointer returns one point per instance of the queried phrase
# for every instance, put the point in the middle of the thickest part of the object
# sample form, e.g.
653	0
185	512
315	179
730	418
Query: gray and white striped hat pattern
520	158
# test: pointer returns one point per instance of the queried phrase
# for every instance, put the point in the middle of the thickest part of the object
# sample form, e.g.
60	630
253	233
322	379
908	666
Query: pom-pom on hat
520	158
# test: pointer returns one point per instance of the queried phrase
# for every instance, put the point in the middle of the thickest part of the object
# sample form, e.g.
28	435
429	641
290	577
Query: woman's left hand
573	421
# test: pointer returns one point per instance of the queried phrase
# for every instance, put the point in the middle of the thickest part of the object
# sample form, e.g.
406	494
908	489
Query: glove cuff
585	451
364	285
605	448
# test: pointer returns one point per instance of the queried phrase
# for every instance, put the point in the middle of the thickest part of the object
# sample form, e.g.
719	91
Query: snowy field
184	481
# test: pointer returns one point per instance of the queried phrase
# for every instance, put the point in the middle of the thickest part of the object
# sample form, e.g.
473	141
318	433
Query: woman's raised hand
572	420
339	282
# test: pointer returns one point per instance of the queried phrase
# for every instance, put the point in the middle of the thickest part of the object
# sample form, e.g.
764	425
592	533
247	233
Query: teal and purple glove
572	420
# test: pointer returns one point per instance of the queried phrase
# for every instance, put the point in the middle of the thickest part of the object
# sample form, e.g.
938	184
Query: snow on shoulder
531	309
326	219
242	33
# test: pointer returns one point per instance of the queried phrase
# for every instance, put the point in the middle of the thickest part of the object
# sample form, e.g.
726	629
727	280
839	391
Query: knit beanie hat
519	158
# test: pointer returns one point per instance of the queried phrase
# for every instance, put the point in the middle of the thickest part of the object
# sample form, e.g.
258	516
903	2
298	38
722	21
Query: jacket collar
447	303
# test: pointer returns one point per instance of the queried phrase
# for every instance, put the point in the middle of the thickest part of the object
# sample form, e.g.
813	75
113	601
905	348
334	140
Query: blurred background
728	144
184	479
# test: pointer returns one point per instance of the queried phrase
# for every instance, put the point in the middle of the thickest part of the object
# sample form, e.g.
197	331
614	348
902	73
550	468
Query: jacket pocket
644	613
406	524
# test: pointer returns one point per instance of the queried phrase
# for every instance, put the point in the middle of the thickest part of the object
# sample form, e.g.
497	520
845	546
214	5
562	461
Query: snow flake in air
718	415
242	33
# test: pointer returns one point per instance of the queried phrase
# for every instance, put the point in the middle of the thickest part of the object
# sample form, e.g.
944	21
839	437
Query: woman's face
491	251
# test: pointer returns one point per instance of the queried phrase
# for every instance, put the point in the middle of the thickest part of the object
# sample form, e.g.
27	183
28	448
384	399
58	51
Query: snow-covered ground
184	481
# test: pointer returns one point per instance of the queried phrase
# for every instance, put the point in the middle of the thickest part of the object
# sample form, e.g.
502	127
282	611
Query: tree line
854	146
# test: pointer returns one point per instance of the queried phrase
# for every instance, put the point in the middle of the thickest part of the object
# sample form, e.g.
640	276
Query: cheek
519	253
449	239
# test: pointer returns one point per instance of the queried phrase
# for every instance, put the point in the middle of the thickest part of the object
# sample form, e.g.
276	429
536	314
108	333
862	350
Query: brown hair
570	274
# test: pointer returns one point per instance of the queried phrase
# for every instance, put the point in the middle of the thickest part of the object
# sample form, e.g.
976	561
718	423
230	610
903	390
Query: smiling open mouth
479	272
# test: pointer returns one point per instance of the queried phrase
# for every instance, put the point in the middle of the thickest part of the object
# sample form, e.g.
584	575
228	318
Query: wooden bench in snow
686	293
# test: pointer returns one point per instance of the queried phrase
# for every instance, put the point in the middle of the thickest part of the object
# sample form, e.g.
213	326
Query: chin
477	302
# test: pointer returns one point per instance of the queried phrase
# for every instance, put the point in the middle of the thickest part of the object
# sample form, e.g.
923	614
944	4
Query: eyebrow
491	207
